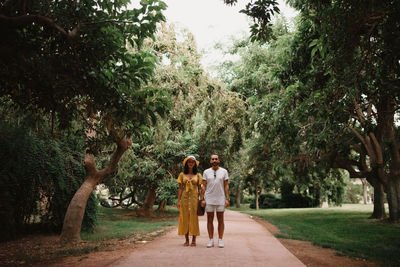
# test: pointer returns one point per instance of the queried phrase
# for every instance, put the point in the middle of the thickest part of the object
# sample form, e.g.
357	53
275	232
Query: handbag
200	209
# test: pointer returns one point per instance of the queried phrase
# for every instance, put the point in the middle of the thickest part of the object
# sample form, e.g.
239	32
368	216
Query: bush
297	201
38	178
267	201
271	201
247	200
294	200
353	193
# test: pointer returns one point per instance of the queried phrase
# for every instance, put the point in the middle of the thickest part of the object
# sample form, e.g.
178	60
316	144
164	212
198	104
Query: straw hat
191	157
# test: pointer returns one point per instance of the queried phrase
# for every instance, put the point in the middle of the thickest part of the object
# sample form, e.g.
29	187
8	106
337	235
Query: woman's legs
193	241
187	240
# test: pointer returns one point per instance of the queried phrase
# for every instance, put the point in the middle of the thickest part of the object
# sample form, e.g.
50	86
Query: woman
188	194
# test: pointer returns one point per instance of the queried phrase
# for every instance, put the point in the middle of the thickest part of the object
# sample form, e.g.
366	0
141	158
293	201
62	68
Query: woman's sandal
193	244
186	244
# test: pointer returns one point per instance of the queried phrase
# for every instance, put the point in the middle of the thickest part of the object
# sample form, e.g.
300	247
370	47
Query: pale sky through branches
211	22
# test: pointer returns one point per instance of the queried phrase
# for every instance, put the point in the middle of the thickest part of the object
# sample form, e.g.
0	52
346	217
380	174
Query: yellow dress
188	220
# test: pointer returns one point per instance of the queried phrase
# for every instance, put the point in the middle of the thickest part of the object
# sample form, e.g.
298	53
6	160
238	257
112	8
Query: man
216	198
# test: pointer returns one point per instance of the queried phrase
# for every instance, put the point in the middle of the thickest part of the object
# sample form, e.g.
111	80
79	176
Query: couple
213	191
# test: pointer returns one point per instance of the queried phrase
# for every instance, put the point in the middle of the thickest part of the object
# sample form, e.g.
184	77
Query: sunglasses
215	174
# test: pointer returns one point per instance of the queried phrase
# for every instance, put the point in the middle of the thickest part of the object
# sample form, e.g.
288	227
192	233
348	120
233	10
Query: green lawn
346	229
116	223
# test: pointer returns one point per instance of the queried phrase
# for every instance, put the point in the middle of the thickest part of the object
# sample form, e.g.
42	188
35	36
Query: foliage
81	67
353	193
38	177
70	60
204	118
326	98
341	101
261	12
275	151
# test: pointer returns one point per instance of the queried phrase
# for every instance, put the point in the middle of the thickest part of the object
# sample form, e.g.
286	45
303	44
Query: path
247	243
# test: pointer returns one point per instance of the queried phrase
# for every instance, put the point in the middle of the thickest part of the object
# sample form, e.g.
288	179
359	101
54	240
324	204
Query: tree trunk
238	196
74	216
147	209
162	205
393	200
379	201
257	206
365	190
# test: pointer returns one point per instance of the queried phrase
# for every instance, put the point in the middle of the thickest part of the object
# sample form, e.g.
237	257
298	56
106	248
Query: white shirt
215	193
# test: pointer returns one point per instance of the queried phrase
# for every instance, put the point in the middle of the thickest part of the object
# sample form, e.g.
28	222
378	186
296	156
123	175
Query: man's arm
226	186
203	190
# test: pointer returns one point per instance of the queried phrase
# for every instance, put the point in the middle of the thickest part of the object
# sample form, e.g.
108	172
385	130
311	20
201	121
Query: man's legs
210	224
221	224
210	228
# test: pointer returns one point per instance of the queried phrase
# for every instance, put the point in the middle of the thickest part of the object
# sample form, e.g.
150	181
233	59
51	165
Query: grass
115	229
346	229
117	223
120	224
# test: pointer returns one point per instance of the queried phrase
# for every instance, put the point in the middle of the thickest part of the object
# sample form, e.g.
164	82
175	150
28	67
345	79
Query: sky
212	21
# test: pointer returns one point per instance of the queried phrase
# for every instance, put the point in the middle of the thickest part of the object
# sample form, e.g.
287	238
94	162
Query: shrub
247	200
267	201
353	193
38	178
297	201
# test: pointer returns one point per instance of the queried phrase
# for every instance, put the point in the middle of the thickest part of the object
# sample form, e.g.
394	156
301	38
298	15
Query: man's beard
215	163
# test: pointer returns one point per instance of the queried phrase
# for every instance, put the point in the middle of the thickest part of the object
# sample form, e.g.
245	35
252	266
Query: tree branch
378	149
359	112
122	145
346	165
370	151
367	144
13	22
369	109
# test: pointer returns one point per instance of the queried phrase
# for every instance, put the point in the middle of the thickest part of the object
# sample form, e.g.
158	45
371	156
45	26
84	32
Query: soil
36	250
46	250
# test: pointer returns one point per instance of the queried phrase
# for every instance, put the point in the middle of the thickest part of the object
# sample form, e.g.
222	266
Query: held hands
203	203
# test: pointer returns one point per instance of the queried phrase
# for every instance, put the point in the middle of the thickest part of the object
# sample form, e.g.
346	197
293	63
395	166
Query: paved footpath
247	243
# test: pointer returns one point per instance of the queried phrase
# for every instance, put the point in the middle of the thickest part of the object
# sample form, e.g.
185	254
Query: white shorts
212	208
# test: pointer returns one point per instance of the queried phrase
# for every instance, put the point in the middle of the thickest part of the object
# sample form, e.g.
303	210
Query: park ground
118	235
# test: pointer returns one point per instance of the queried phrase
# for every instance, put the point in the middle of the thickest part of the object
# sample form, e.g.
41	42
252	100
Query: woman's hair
186	168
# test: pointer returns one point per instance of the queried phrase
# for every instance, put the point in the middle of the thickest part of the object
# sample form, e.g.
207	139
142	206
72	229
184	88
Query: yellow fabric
188	220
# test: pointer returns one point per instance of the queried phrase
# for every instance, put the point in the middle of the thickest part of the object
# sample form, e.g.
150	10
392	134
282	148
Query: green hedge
38	178
271	201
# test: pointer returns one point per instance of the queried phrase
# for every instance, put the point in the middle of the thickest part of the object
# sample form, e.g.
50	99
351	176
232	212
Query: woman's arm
178	204
202	191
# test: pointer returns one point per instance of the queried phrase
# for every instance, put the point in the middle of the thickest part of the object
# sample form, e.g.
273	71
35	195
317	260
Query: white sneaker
220	243
210	243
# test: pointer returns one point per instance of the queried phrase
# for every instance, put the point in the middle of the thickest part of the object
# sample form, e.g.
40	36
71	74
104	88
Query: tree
261	11
70	60
202	114
358	86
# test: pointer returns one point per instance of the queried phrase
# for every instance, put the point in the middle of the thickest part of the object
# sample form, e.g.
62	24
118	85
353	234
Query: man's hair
186	168
216	154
